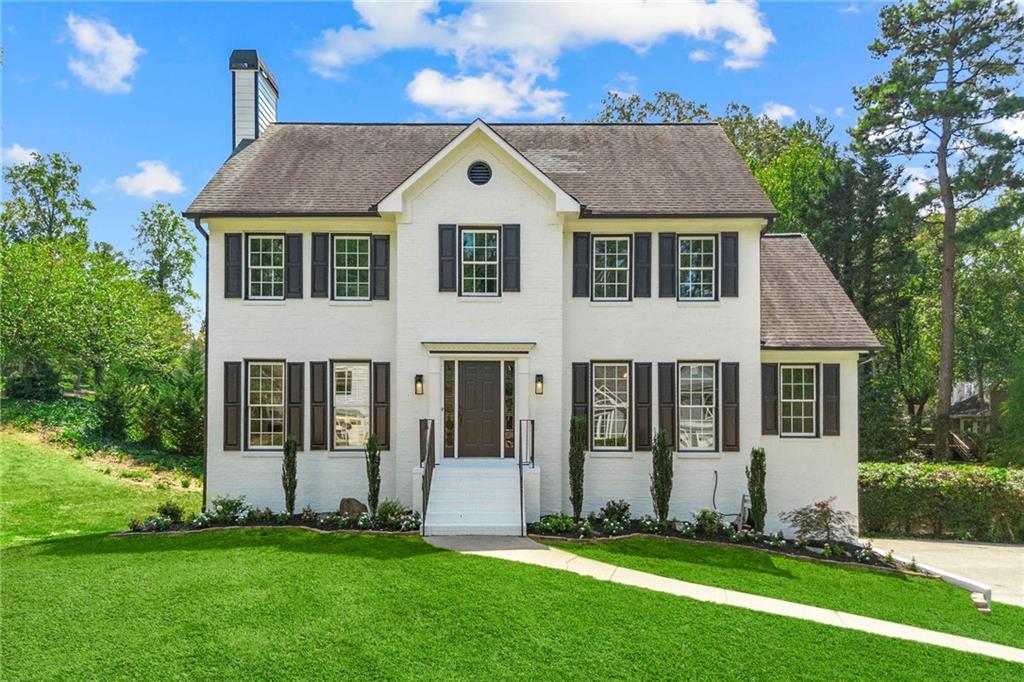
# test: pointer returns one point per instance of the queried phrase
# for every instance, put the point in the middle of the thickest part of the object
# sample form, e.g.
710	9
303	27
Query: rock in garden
351	507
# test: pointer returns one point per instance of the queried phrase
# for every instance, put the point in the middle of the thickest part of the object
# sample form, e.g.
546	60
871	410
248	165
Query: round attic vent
479	173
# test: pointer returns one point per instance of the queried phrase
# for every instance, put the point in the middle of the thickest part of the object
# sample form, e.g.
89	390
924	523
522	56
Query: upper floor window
799	400
697	268
611	268
351	404
480	260
266	266
352	268
610	406
697	405
266	405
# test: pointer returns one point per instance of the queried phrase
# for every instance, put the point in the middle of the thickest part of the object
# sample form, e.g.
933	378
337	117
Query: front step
475	498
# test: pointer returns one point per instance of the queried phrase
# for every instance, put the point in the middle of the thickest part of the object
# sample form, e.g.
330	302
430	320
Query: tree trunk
944	395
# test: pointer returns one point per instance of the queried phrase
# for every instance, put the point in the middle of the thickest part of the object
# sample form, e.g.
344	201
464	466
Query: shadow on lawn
377	547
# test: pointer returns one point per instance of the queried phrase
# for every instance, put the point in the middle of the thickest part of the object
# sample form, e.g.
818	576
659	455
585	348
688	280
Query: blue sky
138	94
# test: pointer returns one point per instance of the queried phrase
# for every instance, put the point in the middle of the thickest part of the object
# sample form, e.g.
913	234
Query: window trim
369	265
816	402
716	378
247	405
284	262
496	229
629	407
716	274
331	446
593	267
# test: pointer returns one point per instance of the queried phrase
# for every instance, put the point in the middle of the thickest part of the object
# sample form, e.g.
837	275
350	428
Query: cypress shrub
289	474
577	455
661	475
755	487
113	401
372	473
182	395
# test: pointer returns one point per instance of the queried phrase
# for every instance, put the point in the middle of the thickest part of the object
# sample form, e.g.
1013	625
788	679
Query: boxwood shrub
966	502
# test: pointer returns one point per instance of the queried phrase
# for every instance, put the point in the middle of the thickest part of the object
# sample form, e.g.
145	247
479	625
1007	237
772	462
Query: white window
696	268
266	267
351	404
351	268
479	262
697	405
266	404
611	268
610	411
799	400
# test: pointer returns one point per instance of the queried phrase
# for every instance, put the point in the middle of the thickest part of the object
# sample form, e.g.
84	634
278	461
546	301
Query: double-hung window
480	260
266	266
351	268
351	404
697	268
266	405
697	406
611	268
799	400
610	406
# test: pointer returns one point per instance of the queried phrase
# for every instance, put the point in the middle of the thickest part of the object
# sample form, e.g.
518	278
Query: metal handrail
428	460
526	442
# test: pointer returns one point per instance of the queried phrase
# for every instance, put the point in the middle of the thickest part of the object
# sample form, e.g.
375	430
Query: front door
479	412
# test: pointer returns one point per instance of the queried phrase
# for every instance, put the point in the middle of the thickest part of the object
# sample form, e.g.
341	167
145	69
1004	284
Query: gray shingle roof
802	304
342	169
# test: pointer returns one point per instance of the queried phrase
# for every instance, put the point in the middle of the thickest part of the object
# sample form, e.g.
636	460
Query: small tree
755	487
372	473
113	398
661	475
819	521
289	474
577	455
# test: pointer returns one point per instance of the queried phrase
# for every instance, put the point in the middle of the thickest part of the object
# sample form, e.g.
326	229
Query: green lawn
45	493
923	602
291	604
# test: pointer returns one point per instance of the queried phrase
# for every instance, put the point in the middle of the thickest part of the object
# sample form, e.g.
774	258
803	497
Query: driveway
1000	566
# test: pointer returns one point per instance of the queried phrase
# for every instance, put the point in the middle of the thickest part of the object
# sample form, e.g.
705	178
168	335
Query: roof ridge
507	123
785	235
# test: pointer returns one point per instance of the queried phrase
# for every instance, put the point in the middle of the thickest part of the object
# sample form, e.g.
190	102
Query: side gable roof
802	304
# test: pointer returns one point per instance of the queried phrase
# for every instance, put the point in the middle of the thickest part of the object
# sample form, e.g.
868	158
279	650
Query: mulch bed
185	529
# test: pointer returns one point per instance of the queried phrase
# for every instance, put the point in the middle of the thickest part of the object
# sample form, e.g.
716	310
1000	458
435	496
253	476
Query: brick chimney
253	96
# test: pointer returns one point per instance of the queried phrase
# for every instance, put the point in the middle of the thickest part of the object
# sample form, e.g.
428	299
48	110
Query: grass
923	602
290	604
46	493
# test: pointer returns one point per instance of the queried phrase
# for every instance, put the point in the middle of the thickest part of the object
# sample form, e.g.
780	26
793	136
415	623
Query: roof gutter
206	358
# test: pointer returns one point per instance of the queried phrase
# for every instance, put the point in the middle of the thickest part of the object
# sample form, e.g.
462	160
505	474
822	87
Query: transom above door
479	408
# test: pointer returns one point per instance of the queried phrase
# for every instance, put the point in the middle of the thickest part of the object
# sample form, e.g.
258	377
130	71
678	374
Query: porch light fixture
419	384
538	386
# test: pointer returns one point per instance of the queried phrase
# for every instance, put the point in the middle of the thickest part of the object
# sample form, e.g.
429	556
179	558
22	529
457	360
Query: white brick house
493	279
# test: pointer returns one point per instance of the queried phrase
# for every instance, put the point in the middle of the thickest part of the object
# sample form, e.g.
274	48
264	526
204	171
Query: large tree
953	73
166	248
43	201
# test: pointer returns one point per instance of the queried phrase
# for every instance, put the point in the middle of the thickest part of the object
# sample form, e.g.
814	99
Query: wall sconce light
419	384
538	386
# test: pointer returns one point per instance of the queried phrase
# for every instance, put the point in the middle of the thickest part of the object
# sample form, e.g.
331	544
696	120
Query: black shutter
382	403
446	253
318	406
510	257
770	398
581	264
730	406
830	400
293	266
380	254
321	262
642	411
642	265
667	400
294	391
581	394
233	265
730	264
232	406
667	276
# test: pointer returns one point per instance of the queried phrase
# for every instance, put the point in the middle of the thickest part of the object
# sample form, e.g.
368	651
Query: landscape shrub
68	413
172	510
942	500
393	515
113	400
708	522
372	473
40	382
308	513
228	509
616	511
577	457
289	474
182	397
149	415
661	475
554	524
821	521
755	488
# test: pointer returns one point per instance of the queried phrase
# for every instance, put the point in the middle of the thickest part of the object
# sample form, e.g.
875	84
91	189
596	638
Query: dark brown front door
479	409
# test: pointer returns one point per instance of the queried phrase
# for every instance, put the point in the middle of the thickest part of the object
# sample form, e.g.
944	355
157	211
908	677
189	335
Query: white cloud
16	154
777	112
916	179
701	56
484	95
852	8
624	85
105	59
153	178
816	110
520	43
839	112
1014	127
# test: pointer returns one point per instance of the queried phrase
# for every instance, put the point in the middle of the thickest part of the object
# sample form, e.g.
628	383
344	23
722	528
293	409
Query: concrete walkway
527	551
999	566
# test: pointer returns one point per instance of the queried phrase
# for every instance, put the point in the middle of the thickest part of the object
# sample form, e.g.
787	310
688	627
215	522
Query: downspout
206	360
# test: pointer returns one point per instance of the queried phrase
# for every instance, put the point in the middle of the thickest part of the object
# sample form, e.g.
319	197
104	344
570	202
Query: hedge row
966	502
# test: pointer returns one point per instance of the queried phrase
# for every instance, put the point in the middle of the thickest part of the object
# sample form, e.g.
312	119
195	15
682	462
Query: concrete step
472	529
474	498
